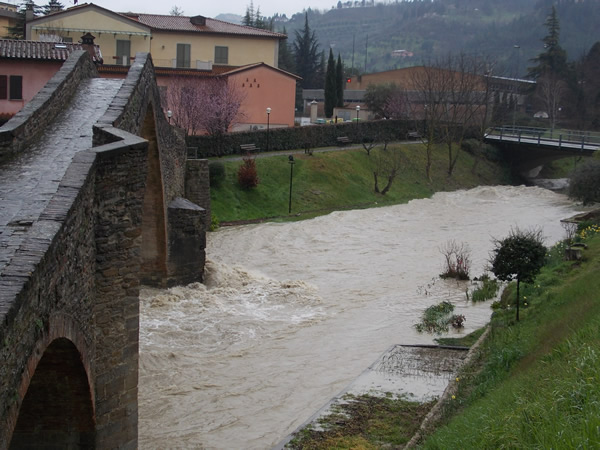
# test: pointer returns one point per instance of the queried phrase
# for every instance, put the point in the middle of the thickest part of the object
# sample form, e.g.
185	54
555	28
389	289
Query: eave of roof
83	6
212	26
41	51
255	65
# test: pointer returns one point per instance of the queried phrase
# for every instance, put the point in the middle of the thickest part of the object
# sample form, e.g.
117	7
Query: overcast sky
208	8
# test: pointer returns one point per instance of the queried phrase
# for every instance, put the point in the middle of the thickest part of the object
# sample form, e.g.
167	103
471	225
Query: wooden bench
249	148
414	135
343	140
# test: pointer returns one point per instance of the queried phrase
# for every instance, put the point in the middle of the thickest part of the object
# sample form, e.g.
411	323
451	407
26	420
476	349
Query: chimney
87	42
198	20
29	16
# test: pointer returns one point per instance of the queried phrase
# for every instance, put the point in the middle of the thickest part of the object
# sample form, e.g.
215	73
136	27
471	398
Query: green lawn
341	180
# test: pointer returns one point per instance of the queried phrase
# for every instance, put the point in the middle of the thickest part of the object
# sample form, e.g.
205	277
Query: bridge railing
558	137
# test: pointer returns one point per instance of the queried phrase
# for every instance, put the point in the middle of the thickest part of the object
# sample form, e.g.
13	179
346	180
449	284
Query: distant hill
369	36
231	18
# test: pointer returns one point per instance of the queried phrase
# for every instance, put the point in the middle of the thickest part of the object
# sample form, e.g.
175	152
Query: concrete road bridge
529	147
94	201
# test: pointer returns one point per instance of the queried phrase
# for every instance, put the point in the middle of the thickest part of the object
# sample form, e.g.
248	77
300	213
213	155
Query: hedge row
311	136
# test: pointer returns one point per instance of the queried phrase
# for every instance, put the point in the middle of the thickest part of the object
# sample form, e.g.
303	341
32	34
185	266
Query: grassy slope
340	180
540	383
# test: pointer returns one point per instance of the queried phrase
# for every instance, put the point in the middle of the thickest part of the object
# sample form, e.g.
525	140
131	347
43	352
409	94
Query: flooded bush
457	260
487	289
436	318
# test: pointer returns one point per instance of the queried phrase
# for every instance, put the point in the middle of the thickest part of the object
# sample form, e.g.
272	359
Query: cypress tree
340	81
330	86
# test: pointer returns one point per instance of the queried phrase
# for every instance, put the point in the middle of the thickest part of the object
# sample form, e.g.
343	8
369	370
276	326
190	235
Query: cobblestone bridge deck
29	180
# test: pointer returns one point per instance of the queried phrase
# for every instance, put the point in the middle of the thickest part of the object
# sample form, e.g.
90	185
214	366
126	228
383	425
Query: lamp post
518	48
291	161
169	115
357	111
268	120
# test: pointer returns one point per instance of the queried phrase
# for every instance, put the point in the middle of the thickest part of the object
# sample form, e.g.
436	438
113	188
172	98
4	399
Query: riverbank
530	384
341	180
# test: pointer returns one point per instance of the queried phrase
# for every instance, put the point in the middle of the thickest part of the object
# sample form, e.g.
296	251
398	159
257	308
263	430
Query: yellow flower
453	397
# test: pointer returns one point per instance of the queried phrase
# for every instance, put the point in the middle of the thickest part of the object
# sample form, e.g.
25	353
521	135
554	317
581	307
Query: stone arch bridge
92	204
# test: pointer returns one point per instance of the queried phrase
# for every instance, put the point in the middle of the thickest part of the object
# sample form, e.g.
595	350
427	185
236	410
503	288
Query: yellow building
174	41
8	17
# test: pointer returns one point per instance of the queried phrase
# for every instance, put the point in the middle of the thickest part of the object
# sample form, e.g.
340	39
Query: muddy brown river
291	313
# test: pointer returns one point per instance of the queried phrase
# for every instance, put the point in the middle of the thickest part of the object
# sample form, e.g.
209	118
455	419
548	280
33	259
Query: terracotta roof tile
47	51
183	23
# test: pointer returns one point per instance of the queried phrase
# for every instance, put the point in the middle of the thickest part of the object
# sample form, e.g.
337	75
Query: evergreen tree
554	58
340	82
52	6
306	54
259	21
18	30
248	19
321	71
330	86
286	59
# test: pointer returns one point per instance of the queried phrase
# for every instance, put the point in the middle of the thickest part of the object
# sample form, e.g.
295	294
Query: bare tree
210	106
465	101
387	164
551	90
428	105
185	102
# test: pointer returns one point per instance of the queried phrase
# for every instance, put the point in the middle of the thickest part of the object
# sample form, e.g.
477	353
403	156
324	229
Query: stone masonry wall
197	186
28	123
120	186
48	290
127	113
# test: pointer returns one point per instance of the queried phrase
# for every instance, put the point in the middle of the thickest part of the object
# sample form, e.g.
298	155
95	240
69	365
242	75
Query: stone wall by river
291	313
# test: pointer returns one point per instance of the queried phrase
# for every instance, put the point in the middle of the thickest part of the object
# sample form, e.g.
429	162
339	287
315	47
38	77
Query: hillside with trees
370	36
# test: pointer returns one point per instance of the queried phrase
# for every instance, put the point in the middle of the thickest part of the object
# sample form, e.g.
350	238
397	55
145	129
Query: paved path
301	151
28	181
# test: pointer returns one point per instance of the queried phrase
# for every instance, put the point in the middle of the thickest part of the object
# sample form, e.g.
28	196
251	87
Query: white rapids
291	313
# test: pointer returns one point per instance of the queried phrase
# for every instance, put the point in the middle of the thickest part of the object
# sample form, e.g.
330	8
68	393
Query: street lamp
357	111
169	115
268	120
291	161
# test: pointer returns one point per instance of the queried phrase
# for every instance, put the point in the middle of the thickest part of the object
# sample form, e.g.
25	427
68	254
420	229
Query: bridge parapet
28	123
567	139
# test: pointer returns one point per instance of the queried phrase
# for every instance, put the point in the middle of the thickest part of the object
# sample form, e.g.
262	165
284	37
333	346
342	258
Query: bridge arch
57	404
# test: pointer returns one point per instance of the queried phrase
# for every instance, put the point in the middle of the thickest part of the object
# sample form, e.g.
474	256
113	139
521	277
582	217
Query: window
183	55
16	87
67	39
123	52
3	87
221	55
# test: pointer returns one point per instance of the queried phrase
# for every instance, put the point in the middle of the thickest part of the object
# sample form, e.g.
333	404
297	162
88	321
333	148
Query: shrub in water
457	260
486	290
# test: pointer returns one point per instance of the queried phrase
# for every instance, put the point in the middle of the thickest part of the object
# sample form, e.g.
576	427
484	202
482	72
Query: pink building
262	86
26	66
